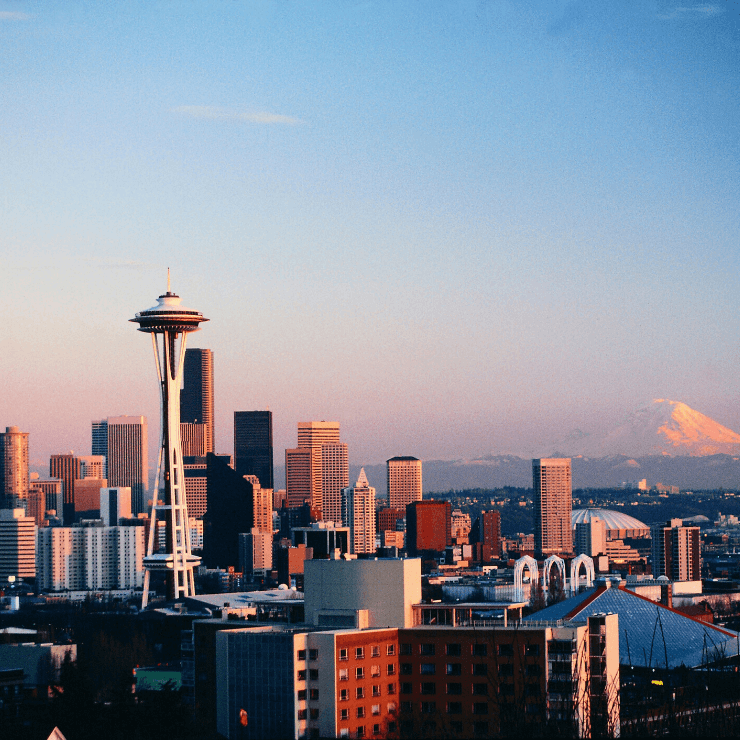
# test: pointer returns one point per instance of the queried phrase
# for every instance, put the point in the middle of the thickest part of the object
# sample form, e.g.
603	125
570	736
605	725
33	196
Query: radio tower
171	321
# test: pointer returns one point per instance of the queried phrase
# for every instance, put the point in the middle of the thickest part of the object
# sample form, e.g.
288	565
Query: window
533	670
426	648
480	729
532	689
343	674
359	672
390	650
375	709
313	694
480	669
428	707
405	706
506	689
480	707
344	714
301	655
405	688
406	669
302	695
391	727
360	731
532	708
360	712
454	688
453	669
391	669
375	671
376	689
480	651
313	713
344	695
428	687
359	653
313	674
375	651
480	689
454	707
344	732
456	727
427	669
313	654
376	729
301	675
506	649
454	648
359	692
391	688
390	707
532	650
302	714
343	654
405	648
506	669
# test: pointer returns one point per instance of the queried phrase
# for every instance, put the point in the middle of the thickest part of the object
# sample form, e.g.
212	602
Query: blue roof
649	634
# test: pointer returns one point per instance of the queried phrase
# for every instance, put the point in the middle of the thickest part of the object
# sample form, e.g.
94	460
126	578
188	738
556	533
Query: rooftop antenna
168	279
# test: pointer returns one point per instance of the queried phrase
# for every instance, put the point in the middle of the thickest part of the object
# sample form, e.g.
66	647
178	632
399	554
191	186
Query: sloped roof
650	634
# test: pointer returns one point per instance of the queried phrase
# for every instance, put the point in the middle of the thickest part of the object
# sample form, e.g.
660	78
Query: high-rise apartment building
358	513
13	467
92	466
17	545
67	468
128	457
196	485
87	498
51	496
553	500
253	445
262	505
676	551
318	477
115	504
486	536
404	481
196	396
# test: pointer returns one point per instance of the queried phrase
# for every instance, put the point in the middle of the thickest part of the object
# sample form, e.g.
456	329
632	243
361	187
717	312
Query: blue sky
455	228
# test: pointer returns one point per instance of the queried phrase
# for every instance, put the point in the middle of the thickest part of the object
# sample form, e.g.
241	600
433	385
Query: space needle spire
172	322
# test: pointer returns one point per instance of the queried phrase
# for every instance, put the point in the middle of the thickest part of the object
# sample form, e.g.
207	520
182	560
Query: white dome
612	519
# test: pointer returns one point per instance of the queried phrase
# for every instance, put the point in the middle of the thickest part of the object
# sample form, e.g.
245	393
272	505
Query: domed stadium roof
612	519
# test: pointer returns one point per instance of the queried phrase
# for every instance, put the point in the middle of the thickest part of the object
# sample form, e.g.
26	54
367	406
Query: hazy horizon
455	228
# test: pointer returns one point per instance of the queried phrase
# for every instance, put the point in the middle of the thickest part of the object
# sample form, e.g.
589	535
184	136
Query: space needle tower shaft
170	322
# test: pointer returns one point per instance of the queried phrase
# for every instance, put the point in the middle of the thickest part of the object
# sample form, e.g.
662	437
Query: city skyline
523	215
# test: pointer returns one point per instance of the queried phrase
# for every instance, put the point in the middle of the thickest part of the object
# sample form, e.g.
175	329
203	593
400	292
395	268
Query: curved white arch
559	563
575	566
524	562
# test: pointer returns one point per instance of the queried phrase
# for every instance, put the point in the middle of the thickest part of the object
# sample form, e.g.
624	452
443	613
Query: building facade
17	545
13	467
486	536
196	398
676	551
128	457
358	513
253	452
553	502
404	481
428	527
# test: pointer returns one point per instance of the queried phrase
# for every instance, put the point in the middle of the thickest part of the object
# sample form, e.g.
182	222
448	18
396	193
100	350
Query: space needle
170	321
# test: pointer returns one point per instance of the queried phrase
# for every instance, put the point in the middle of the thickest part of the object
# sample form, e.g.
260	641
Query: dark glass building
196	396
253	445
230	512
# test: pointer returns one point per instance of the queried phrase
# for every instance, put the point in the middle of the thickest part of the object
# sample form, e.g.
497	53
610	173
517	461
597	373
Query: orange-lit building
428	526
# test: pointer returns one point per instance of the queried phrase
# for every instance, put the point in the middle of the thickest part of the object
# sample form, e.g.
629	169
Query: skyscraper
100	442
67	468
676	551
128	457
170	321
17	545
13	467
404	481
328	468
253	445
358	513
553	500
196	397
428	527
486	534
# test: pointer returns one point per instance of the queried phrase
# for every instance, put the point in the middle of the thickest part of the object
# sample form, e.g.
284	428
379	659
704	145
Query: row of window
360	691
478	669
390	649
360	731
360	711
313	674
477	689
313	694
504	649
375	671
313	654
